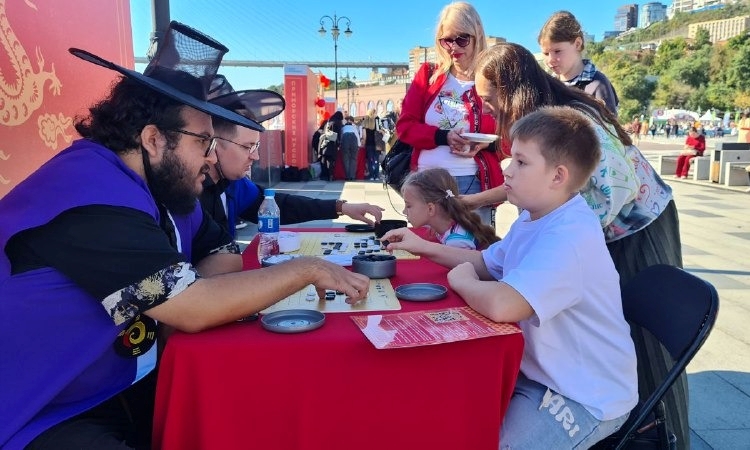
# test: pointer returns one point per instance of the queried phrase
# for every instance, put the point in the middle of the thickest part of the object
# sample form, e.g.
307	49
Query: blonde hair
438	186
465	18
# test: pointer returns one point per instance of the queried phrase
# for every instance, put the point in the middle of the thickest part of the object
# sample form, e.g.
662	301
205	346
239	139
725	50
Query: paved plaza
716	244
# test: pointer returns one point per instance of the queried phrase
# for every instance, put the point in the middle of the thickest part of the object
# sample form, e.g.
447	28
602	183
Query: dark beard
168	184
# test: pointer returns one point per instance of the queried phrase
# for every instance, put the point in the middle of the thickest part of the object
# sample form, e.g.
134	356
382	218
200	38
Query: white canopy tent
676	114
708	116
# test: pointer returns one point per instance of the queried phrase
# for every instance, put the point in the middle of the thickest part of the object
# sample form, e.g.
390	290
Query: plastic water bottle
268	226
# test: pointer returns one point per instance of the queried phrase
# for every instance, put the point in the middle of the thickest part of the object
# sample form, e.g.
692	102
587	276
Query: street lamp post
335	30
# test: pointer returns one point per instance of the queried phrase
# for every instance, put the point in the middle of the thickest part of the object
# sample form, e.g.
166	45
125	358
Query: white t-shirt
350	128
577	342
449	112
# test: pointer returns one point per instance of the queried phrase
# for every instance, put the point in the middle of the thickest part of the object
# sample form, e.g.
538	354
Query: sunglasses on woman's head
462	40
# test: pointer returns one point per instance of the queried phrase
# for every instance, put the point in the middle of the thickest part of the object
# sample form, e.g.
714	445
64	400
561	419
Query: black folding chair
679	309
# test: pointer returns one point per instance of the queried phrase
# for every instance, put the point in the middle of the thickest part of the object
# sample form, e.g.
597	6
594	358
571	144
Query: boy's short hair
564	136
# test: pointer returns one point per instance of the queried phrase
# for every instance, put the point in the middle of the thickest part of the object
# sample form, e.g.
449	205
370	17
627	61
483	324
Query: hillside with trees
681	73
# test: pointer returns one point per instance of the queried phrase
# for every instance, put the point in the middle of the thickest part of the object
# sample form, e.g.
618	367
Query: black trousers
327	162
120	423
658	243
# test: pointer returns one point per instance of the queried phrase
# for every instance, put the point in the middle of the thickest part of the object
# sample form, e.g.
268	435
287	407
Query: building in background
679	6
690	6
721	30
651	13
626	17
611	34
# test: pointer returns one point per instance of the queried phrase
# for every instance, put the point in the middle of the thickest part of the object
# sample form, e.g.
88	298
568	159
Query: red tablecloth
240	386
338	168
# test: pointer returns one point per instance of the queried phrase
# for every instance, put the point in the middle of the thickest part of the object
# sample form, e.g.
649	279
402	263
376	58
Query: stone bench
727	152
700	166
736	174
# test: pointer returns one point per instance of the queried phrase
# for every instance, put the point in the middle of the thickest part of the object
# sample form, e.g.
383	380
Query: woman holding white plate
442	107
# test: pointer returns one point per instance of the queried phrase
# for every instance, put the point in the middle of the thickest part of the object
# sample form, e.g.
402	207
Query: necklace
463	75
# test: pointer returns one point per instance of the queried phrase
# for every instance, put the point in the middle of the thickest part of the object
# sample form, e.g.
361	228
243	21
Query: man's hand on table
327	275
359	211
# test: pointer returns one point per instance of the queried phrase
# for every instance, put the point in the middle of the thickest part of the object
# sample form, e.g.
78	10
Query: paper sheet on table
420	328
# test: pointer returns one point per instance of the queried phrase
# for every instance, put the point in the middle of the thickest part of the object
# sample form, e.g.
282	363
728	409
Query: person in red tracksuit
695	145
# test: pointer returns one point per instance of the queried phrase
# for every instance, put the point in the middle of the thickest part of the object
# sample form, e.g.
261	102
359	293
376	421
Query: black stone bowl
387	225
374	266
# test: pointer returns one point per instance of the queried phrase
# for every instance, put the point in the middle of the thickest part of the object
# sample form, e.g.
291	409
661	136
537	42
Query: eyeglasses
211	140
250	149
462	40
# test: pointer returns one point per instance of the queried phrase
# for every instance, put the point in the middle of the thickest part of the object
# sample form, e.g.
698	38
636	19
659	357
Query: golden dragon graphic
24	93
19	99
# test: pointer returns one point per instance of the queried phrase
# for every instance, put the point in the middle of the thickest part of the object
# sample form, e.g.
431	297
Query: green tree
672	93
278	88
693	70
698	100
738	72
702	39
719	95
594	50
669	51
629	78
742	100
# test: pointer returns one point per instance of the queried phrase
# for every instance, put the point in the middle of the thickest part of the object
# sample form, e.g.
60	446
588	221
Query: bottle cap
269	192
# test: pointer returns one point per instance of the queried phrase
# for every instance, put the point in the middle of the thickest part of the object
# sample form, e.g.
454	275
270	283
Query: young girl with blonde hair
431	199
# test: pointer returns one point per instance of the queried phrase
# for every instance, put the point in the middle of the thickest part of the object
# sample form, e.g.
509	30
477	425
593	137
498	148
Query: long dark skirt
658	243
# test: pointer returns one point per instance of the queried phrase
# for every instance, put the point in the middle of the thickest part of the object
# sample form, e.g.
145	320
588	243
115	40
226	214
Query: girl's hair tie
449	193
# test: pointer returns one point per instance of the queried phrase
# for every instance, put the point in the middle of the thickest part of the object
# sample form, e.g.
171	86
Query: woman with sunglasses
441	104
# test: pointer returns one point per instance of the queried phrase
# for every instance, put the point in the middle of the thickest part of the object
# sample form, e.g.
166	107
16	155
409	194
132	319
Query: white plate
479	137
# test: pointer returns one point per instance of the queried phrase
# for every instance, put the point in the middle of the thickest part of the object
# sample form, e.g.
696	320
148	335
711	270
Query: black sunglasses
462	40
211	146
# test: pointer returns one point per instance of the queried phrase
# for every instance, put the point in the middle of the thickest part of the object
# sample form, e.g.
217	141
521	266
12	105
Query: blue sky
382	30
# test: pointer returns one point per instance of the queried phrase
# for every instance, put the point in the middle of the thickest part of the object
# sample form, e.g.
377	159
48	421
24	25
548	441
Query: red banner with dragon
42	86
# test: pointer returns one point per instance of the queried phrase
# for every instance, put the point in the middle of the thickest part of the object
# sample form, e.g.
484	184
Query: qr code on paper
446	316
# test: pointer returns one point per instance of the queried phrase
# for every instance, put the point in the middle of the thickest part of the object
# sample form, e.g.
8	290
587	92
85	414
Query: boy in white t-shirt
578	378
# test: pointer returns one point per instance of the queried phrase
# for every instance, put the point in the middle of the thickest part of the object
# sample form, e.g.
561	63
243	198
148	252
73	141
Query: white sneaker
240	225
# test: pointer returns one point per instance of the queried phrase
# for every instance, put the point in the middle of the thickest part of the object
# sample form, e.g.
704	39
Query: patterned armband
153	290
231	248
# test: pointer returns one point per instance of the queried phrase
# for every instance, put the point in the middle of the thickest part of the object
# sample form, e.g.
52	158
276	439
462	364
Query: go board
380	297
343	243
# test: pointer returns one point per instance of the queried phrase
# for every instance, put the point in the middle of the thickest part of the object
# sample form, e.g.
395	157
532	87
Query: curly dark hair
116	121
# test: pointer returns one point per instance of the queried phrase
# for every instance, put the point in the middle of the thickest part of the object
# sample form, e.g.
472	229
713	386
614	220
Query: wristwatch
339	207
